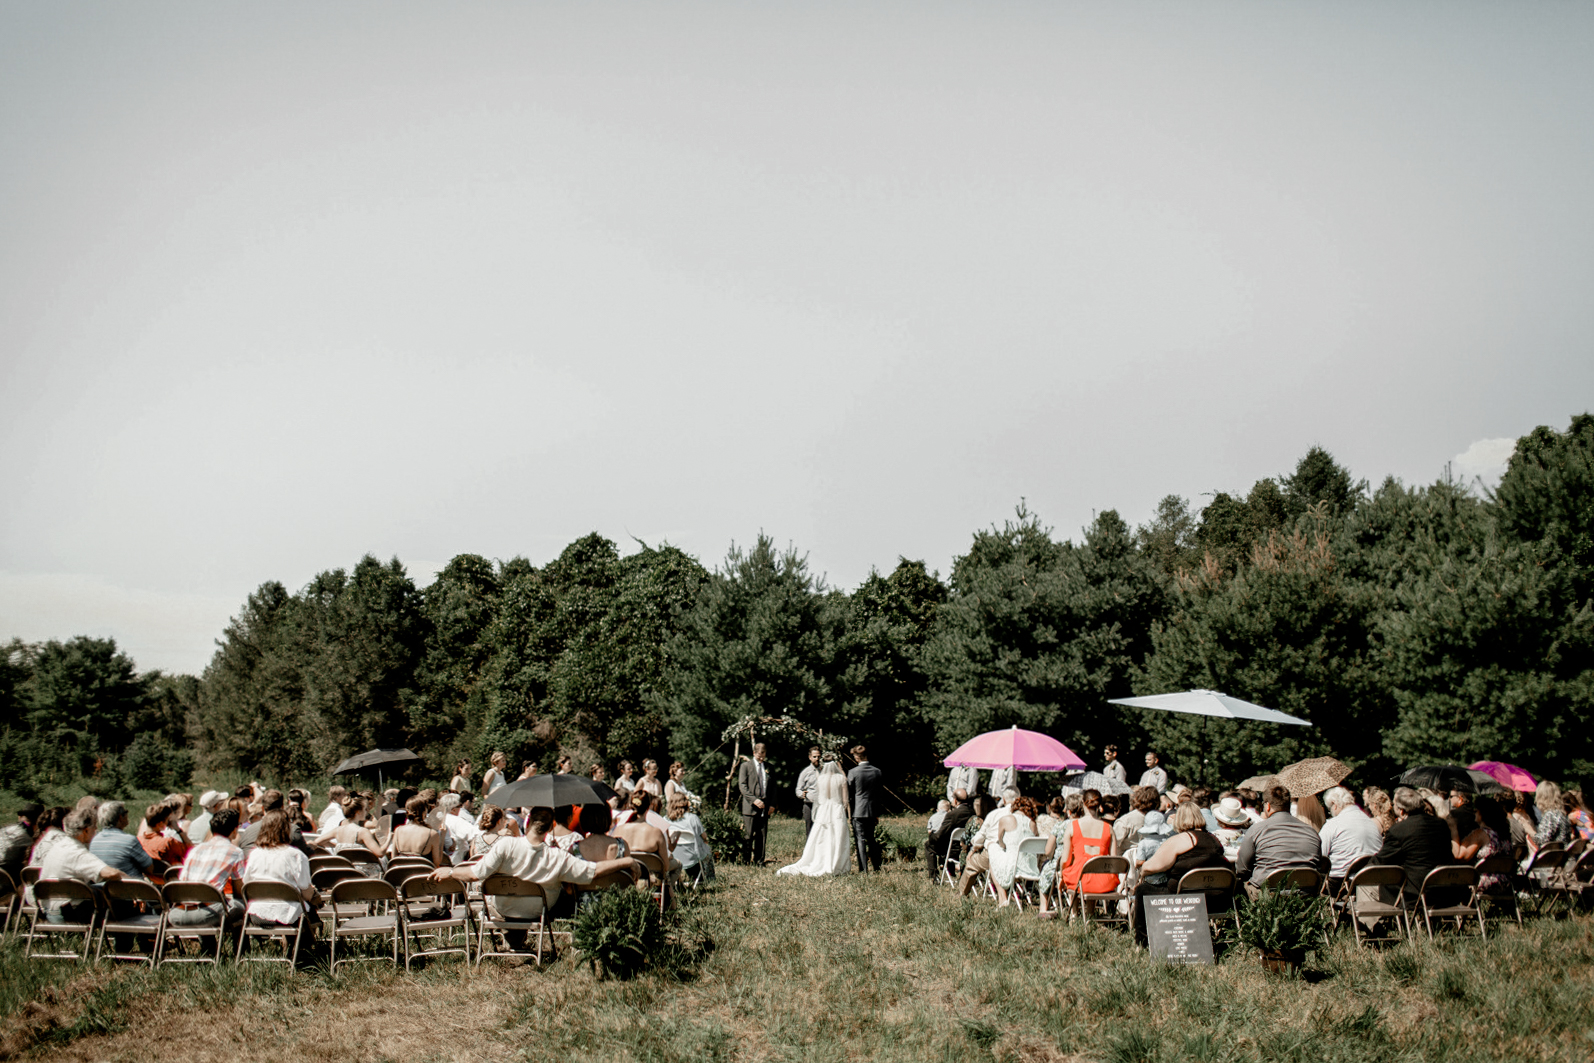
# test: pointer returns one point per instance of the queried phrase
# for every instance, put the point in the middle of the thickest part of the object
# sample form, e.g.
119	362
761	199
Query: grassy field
868	968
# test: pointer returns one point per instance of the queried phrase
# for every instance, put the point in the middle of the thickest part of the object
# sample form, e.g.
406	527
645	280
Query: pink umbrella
1508	775
1024	750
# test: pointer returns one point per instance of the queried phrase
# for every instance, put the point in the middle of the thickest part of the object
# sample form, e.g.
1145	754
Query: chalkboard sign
1176	927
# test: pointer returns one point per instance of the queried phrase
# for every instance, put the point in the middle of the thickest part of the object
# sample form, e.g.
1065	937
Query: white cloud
1485	459
171	631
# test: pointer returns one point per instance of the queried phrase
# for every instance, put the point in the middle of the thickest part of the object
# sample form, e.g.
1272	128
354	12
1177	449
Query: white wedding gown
829	847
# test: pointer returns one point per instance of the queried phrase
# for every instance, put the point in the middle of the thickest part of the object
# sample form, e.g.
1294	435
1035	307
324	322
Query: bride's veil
832	784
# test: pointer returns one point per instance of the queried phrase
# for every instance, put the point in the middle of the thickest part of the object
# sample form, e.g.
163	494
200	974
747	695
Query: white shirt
1001	779
331	818
1115	770
686	838
546	865
281	864
1347	837
460	832
69	860
963	778
1155	777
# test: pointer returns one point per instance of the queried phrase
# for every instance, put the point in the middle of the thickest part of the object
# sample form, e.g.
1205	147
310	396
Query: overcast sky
284	284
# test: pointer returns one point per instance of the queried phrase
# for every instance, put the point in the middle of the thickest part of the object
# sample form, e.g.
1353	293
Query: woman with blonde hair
1380	807
493	777
1554	827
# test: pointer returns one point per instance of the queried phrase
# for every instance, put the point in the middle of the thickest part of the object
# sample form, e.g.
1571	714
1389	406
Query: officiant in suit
866	785
752	779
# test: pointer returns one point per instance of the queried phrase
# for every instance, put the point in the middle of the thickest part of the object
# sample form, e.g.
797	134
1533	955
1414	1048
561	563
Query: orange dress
1081	849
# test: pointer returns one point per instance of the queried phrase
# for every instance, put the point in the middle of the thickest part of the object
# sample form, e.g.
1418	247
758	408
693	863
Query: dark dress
1206	852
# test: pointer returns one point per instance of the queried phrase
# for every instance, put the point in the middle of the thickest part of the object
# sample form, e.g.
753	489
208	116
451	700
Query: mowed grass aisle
860	968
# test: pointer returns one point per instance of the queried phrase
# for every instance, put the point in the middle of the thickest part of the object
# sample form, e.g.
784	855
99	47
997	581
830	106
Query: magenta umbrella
1508	775
1013	748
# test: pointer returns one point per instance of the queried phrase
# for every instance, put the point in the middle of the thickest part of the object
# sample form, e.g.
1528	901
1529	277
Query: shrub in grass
723	829
1283	923
620	931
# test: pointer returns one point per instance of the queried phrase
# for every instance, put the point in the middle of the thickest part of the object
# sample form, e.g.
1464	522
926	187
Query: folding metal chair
273	891
11	897
1338	902
151	921
192	894
1456	877
951	867
450	895
1379	877
1544	864
496	927
1220	886
328	860
1503	893
350	915
63	892
30	878
1573	882
656	875
1075	900
1295	879
1035	847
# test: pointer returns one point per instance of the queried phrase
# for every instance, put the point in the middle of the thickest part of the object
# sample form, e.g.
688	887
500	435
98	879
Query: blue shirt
121	850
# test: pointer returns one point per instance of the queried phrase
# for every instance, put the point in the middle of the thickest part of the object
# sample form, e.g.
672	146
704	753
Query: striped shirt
217	862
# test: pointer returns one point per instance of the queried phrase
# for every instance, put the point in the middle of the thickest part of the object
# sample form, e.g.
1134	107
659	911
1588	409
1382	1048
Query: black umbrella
1444	777
375	758
551	791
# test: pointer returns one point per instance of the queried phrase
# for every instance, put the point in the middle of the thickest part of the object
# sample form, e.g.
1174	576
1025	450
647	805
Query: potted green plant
1282	925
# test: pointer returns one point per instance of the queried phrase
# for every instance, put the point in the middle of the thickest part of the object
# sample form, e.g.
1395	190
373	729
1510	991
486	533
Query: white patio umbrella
1210	703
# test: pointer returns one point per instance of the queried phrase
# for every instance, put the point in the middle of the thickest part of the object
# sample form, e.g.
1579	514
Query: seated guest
1056	811
333	815
156	842
1142	799
532	859
414	837
598	844
1418	842
956	818
1310	810
1524	825
1347	837
642	835
1191	848
1492	820
941	808
457	829
70	860
1379	808
49	832
1278	841
272	801
1085	836
1578	815
351	831
17	838
1554	826
1469	836
1153	832
199	826
1202	798
298	809
978	847
217	862
118	848
492	825
1231	819
690	844
273	858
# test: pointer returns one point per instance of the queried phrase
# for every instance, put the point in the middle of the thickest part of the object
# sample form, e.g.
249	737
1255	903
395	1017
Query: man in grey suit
868	793
752	779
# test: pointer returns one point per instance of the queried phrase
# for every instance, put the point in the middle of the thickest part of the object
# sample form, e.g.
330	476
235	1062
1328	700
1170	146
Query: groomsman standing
752	779
962	778
805	789
1114	768
1002	779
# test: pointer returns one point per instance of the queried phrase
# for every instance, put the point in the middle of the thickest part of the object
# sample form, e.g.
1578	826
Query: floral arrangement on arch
783	726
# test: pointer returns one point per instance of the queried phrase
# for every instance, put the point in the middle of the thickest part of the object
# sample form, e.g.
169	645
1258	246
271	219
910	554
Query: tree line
1409	624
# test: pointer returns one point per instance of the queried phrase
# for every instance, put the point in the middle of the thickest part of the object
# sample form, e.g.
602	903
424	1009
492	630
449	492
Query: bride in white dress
829	847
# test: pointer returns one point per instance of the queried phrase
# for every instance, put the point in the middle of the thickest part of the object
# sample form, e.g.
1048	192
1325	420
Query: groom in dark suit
752	779
868	796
